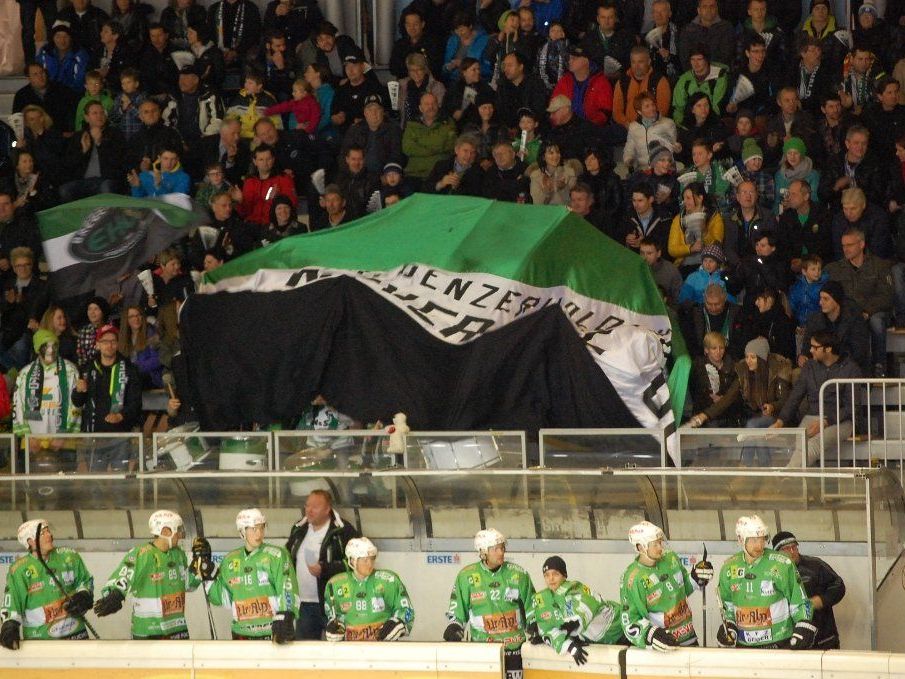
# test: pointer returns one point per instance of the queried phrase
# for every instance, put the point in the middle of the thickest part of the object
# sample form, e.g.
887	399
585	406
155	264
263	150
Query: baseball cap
558	102
105	330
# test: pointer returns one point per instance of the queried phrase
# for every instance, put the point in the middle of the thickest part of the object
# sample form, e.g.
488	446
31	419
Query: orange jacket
623	109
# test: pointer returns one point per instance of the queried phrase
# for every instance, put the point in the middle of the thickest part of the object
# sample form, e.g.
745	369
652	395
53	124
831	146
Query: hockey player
366	604
569	615
48	590
489	601
764	604
257	581
157	575
654	589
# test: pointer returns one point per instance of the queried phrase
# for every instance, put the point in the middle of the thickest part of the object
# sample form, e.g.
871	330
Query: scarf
34	384
806	83
756	389
237	28
118	380
792	173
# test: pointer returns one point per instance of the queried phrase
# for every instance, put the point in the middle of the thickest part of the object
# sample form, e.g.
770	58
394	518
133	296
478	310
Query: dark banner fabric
262	357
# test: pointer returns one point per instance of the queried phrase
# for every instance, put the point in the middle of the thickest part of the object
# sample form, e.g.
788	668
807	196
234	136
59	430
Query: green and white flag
461	268
105	236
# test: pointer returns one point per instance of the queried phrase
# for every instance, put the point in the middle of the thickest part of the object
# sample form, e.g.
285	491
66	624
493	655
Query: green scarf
118	381
34	386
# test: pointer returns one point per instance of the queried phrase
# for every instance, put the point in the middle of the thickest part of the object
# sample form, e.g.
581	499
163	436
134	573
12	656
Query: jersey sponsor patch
345	606
477	596
511	594
263	579
366	632
377	604
62	628
54	611
753	617
35	587
172	604
766	588
737	572
500	623
760	636
652	580
654	597
677	615
155	577
253	608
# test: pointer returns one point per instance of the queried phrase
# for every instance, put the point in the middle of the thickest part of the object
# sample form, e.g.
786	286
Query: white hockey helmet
164	518
750	527
487	538
359	548
249	518
642	534
28	530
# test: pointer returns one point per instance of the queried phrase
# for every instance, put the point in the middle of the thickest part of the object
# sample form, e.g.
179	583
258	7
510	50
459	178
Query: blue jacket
170	182
475	50
697	281
804	297
69	71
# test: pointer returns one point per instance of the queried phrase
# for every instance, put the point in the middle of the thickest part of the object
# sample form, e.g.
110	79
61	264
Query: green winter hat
42	337
505	15
795	144
751	149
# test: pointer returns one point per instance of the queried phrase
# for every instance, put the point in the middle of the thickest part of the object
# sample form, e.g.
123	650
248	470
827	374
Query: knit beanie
556	563
505	15
795	144
759	346
42	337
834	290
751	149
714	251
657	148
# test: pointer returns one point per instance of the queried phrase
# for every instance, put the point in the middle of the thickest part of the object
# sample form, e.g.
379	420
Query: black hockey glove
570	627
9	635
392	629
282	629
109	604
661	640
202	563
533	634
454	632
335	631
803	636
576	648
702	573
79	603
727	635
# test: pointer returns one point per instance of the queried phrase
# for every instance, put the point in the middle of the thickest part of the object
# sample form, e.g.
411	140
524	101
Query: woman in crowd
604	182
34	192
764	382
700	122
98	311
417	83
283	220
698	224
177	17
551	181
770	320
461	95
714	385
56	321
795	164
486	129
44	141
648	127
139	343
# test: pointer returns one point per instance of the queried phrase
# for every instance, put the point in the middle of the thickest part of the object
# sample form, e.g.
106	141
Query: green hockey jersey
35	601
256	585
157	581
764	599
363	606
573	600
492	605
656	595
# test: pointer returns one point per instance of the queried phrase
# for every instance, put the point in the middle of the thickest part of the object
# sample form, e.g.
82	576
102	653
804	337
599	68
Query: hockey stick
56	580
704	602
207	601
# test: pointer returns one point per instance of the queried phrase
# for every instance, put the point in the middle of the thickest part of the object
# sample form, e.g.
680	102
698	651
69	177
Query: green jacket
35	601
656	595
425	146
715	86
255	586
158	582
105	99
764	599
573	600
364	605
492	605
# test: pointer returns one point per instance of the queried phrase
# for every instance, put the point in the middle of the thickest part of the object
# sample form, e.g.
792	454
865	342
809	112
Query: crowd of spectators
753	155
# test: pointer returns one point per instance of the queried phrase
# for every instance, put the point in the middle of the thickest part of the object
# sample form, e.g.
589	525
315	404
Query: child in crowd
318	76
125	107
527	125
250	103
94	91
711	271
303	109
214	182
744	130
804	297
752	169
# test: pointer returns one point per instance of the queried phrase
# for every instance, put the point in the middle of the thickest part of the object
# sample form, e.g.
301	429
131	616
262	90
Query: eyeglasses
817	346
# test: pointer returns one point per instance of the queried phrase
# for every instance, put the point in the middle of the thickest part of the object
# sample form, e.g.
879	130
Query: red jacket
598	98
255	205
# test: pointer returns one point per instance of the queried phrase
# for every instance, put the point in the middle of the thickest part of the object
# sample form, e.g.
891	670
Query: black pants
512	663
28	10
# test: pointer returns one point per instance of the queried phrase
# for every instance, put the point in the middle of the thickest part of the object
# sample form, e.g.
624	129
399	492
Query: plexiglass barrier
591	448
715	447
82	453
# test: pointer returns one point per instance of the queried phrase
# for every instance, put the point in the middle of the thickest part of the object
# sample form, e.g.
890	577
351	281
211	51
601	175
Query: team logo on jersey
377	604
511	594
653	580
766	588
654	597
494	585
263	579
737	572
360	595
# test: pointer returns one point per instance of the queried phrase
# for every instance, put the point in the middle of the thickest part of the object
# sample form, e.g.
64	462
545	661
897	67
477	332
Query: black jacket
59	101
148	142
86	30
20	231
819	579
738	240
210	153
112	154
815	236
333	548
776	327
657	228
429	46
508	184
850	329
472	183
159	74
530	94
381	146
96	402
870	177
574	137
